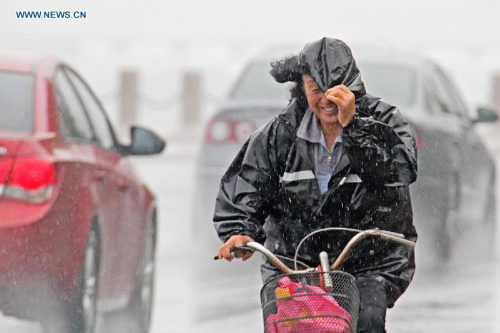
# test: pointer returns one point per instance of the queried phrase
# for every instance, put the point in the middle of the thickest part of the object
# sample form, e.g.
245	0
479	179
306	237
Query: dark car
77	227
455	190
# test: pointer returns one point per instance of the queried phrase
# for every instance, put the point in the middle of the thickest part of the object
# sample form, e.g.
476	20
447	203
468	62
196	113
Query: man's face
324	109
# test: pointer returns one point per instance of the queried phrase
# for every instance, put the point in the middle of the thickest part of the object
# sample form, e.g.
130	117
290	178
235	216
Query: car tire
141	305
79	314
448	229
444	236
82	311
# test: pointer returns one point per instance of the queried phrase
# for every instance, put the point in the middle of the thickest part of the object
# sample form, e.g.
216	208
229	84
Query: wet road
196	294
452	299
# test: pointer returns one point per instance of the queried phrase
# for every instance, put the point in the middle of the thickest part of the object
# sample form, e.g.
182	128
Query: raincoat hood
328	61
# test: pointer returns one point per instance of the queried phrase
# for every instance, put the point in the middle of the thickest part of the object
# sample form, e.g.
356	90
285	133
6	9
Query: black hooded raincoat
270	193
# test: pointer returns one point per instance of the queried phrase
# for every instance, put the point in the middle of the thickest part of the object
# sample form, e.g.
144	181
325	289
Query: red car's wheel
83	309
142	303
79	315
137	314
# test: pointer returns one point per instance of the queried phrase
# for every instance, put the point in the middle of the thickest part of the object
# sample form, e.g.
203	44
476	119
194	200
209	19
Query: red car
77	227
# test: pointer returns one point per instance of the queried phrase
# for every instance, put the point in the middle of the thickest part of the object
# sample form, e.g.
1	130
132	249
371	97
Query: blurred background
169	66
163	40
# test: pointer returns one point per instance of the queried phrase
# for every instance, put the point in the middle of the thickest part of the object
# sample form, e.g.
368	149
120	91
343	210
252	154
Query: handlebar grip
233	250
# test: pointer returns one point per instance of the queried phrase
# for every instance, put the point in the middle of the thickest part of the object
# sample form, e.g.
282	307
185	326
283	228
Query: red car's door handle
99	176
123	186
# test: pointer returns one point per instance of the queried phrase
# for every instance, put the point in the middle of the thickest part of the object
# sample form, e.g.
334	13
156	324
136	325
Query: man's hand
238	240
344	99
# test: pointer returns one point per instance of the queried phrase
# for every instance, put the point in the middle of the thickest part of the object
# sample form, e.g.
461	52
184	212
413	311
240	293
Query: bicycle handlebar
386	235
360	235
254	246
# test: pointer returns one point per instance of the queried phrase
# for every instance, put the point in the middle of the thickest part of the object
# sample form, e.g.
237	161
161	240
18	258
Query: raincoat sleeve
248	187
380	144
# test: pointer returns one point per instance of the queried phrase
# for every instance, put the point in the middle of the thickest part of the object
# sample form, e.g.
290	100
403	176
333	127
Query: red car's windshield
16	101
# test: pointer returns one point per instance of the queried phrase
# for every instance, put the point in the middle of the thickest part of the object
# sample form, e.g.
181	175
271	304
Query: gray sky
392	21
387	21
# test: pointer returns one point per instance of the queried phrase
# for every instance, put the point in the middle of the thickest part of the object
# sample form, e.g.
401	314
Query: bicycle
322	299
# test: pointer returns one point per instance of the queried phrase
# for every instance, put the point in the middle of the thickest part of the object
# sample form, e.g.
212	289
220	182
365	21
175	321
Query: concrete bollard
191	97
129	94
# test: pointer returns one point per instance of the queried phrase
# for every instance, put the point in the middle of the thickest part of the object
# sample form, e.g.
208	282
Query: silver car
455	191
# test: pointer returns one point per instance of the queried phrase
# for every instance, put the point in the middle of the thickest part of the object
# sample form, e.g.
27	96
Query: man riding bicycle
334	157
